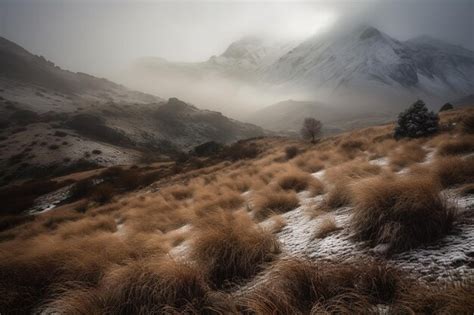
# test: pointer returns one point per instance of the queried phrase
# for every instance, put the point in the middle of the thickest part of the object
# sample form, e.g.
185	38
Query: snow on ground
383	161
49	201
450	259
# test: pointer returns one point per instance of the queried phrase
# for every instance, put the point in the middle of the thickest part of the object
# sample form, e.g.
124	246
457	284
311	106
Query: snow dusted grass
208	238
402	212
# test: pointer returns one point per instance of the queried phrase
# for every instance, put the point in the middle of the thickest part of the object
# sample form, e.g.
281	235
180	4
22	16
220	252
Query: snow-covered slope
367	59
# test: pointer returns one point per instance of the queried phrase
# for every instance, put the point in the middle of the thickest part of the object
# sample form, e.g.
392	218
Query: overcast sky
100	37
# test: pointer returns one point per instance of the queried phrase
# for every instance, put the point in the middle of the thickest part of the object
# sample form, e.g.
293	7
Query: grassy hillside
357	223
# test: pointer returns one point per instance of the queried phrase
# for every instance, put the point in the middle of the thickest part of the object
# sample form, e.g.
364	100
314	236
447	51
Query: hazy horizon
104	37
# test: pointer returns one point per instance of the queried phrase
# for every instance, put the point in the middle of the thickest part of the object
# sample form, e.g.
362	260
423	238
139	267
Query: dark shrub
24	116
60	134
240	151
291	152
446	107
96	151
103	193
81	189
53	147
208	148
416	121
18	198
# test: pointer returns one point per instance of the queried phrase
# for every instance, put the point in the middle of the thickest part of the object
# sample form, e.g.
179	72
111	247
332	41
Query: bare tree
311	129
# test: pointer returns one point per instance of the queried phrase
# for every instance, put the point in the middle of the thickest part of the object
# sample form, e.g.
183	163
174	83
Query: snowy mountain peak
364	58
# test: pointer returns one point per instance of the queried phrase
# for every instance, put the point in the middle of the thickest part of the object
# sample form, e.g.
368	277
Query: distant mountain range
52	120
362	65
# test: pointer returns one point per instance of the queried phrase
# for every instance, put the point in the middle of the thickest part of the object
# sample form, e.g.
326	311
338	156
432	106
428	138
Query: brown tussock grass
87	226
459	146
308	162
401	211
276	224
342	177
406	154
141	287
231	248
299	286
273	201
32	270
298	181
326	224
179	192
452	171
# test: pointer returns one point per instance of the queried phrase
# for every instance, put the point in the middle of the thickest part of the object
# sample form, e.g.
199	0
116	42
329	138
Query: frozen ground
449	259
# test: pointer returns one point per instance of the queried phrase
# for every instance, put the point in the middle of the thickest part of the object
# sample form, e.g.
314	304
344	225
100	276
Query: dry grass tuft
299	181
231	248
140	287
267	202
326	224
299	286
452	171
457	146
406	154
342	177
308	162
403	212
179	192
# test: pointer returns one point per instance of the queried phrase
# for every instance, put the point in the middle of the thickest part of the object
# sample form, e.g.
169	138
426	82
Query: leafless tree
311	129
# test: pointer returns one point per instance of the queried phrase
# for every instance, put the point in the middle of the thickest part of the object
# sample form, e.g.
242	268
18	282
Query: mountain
368	60
21	66
53	121
358	68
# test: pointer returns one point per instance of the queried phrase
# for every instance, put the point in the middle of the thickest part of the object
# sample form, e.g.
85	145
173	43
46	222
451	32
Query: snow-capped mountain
358	69
367	58
251	54
245	58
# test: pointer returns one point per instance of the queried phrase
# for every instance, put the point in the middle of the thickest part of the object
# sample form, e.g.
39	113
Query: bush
230	248
240	151
402	212
416	121
208	148
97	152
445	107
60	134
291	152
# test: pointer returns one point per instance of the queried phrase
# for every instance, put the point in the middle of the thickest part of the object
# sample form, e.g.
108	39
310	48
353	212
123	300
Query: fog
107	38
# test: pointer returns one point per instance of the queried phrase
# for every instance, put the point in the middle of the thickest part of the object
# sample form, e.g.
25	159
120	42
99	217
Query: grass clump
268	202
452	171
300	286
403	212
230	248
299	181
326	225
459	146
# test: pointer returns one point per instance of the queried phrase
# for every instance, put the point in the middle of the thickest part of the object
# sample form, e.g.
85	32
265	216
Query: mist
107	38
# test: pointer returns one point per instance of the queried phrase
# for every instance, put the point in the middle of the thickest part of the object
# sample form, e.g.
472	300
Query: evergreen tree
416	121
446	106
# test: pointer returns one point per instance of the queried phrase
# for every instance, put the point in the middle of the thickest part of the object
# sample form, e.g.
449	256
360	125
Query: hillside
53	121
288	116
356	223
